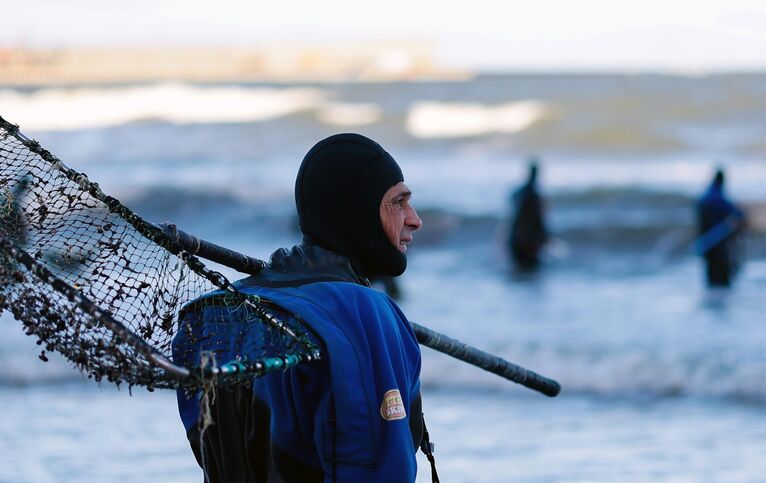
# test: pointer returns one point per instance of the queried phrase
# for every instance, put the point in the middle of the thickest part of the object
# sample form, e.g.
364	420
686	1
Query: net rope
115	295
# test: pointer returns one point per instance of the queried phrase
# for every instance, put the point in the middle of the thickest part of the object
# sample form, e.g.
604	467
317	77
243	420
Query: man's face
398	217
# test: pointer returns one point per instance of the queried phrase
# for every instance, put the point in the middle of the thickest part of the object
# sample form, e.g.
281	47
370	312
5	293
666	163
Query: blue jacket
352	416
718	219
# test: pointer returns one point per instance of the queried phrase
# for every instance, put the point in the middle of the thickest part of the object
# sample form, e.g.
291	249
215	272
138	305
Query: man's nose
413	221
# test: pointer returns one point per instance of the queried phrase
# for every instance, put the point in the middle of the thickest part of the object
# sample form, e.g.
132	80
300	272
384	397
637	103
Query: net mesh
118	297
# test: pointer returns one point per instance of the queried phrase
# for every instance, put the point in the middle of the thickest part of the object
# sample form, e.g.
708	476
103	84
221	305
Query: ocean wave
90	107
658	224
624	373
629	373
453	120
614	116
348	114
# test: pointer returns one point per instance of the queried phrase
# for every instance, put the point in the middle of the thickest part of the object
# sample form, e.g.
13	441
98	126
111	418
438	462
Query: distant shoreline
365	63
383	62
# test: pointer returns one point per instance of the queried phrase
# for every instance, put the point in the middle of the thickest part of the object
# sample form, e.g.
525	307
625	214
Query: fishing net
116	295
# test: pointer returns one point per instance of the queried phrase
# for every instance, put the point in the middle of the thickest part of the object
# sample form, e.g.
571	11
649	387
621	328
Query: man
719	220
353	416
528	234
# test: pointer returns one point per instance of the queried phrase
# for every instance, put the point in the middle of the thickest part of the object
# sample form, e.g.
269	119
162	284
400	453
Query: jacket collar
303	264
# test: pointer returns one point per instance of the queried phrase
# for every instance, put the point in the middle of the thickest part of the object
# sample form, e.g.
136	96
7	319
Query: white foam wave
620	373
82	108
451	120
346	114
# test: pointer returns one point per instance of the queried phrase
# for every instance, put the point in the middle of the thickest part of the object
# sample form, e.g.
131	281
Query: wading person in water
355	415
719	222
528	233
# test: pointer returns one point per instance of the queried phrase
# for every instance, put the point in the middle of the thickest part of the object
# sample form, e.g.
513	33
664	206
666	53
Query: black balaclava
532	178
338	191
718	179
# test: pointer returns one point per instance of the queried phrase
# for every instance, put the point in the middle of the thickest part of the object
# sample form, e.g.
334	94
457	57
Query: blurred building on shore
362	62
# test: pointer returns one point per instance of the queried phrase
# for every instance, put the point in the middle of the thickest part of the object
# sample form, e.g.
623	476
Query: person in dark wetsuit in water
719	221
528	233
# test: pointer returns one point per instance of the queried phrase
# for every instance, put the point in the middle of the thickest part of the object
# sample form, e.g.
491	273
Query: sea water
662	379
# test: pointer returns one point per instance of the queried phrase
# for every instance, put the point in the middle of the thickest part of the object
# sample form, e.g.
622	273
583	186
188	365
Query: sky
478	35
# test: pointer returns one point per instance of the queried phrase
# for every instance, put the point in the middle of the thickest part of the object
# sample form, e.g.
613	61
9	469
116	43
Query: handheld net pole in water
718	233
427	337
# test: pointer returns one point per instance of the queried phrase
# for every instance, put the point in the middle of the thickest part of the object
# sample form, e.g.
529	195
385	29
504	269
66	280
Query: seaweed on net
114	294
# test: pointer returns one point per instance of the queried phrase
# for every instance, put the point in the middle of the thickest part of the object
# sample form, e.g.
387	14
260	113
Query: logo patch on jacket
392	407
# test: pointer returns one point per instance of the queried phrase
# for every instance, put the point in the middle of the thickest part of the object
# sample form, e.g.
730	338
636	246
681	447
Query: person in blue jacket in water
355	415
719	221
